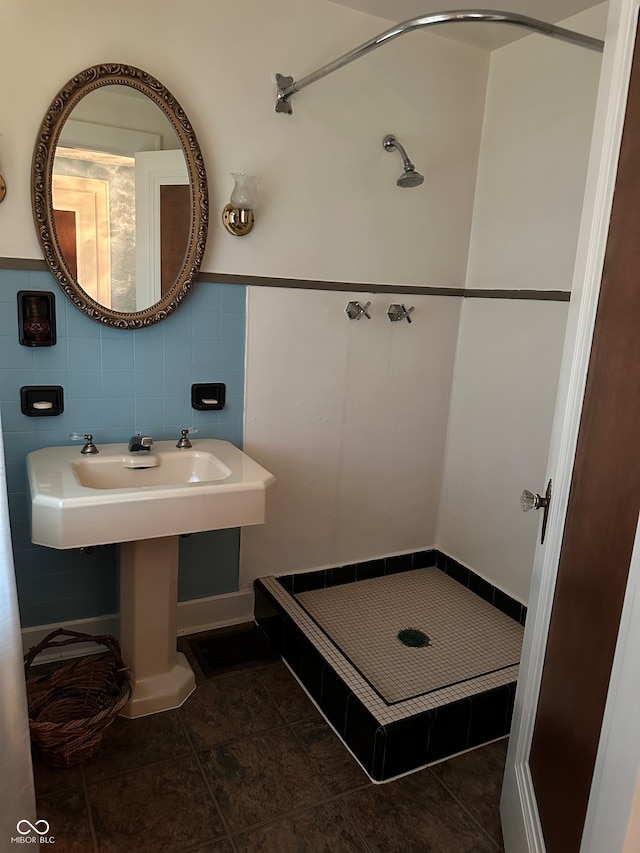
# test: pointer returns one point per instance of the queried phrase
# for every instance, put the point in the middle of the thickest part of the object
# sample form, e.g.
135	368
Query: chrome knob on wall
355	311
399	312
530	500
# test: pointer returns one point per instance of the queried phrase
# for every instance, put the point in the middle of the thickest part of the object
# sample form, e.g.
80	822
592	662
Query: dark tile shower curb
390	749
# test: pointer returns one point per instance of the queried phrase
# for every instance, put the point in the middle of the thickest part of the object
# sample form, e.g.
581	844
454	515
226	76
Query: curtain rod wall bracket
287	86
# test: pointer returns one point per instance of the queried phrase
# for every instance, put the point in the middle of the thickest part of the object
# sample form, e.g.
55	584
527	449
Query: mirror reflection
125	196
119	179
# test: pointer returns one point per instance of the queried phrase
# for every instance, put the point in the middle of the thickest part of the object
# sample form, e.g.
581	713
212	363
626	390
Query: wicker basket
71	707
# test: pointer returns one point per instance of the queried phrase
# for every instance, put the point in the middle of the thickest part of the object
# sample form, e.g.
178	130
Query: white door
614	782
154	169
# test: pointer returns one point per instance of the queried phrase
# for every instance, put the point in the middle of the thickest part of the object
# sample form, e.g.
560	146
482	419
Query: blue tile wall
117	383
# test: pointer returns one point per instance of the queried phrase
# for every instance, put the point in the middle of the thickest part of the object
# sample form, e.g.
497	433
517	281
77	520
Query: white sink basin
144	469
116	496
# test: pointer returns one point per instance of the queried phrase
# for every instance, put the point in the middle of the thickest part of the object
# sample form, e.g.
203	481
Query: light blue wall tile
8	324
206	326
55	376
233	297
120	412
206	356
177	383
148	382
78	325
117	353
232	431
83	416
233	409
12	417
178	326
233	379
18	506
147	352
82	383
205	296
12	282
16	477
176	354
231	354
51	358
204	556
12	379
11	353
232	327
84	352
116	383
149	414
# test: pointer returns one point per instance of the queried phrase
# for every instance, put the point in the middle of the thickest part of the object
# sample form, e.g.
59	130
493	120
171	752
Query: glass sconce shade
245	191
237	216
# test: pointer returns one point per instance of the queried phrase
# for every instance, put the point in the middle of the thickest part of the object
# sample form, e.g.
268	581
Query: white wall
540	104
503	398
351	417
330	207
539	112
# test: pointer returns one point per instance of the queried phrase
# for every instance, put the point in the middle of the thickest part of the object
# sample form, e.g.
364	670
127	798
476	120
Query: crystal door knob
531	500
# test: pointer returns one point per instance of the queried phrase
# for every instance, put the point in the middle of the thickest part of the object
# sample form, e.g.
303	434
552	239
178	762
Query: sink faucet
140	442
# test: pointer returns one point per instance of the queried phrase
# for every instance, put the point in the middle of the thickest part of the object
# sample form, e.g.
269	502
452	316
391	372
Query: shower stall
418	439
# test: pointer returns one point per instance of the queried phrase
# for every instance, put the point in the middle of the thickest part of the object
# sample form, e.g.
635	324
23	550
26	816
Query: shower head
409	178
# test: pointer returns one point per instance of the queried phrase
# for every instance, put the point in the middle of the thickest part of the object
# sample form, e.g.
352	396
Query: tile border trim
345	286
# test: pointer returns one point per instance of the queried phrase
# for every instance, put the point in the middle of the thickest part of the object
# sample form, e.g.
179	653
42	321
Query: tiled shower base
399	707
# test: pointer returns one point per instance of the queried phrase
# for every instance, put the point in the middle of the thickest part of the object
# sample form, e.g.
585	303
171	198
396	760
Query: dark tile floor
247	765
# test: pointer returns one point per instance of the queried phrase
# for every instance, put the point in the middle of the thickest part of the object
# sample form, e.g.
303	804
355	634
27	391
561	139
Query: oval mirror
119	194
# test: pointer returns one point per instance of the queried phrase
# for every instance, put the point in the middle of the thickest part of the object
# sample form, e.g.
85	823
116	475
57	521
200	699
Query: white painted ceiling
486	35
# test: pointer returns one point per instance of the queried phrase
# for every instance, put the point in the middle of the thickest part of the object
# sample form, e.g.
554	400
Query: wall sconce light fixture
237	216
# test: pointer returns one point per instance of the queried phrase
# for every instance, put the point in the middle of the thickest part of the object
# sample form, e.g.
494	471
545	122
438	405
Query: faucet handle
183	441
88	438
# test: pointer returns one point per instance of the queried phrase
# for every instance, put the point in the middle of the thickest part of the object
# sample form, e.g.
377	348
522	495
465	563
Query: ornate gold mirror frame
58	113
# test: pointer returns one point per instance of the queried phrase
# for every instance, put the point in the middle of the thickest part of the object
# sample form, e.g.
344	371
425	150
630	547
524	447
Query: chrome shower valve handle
397	312
355	311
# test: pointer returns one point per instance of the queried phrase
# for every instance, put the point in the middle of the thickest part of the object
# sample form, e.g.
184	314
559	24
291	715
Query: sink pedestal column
162	677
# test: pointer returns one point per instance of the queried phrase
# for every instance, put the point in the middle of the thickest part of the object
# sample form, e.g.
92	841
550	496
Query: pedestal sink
144	501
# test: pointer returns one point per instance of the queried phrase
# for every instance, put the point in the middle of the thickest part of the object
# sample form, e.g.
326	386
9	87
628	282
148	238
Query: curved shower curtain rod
287	86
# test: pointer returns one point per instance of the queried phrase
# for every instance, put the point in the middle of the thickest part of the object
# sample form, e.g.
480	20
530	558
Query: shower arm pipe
287	86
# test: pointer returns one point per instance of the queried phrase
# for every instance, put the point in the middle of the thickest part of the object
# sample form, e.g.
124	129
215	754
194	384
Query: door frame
521	824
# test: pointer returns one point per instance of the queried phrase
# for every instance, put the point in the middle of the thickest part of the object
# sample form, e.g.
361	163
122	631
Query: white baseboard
217	611
199	614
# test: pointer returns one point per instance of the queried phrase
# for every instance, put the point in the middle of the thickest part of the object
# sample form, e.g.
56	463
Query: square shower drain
228	650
